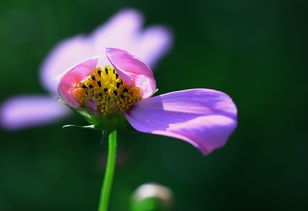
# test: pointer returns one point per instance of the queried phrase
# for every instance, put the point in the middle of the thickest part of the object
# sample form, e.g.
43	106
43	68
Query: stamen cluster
105	92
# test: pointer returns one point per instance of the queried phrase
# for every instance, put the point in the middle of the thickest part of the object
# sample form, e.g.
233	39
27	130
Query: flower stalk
109	172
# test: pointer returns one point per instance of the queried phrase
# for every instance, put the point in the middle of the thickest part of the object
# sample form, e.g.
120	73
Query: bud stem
109	172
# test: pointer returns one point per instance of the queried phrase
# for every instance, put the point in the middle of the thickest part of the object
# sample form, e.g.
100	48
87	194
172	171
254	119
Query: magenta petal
132	70
203	117
28	111
65	55
69	82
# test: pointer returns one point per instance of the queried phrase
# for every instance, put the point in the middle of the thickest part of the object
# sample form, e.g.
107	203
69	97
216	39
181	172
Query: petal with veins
70	81
203	117
132	70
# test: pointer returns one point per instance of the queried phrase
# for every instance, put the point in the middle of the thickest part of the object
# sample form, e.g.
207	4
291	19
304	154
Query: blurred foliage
254	50
149	204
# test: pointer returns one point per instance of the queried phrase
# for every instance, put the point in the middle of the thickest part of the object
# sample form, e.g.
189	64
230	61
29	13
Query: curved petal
65	55
203	117
153	44
123	30
27	111
70	80
132	70
119	32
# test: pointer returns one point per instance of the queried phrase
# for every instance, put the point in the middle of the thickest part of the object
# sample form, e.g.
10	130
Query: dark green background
251	49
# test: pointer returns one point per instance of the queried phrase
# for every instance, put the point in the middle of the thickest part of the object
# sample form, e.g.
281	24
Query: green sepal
109	122
79	126
106	123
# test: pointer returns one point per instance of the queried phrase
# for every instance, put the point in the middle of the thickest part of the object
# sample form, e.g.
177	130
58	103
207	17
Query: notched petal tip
132	70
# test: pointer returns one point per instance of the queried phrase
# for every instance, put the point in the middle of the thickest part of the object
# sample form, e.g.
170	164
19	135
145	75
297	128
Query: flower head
122	84
123	30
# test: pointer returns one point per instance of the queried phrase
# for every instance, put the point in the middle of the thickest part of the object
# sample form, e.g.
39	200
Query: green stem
109	172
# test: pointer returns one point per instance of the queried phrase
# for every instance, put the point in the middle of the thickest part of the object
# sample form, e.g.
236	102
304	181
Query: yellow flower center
105	90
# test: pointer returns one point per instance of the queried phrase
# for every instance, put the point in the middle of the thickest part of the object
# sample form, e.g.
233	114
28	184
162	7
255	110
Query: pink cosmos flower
124	30
104	88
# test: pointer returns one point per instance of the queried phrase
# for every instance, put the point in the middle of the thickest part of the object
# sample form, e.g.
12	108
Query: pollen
105	91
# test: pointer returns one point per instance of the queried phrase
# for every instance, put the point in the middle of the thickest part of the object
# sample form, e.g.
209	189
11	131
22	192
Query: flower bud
152	197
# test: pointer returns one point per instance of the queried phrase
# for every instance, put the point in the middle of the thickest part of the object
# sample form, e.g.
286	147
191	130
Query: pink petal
132	70
123	31
65	55
203	117
72	78
153	44
28	111
119	32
